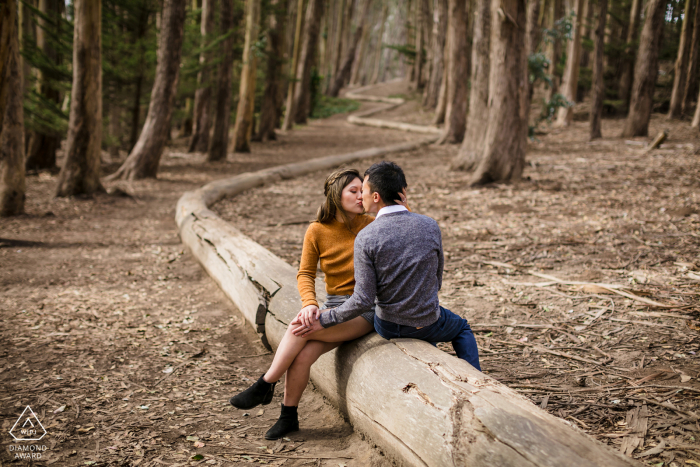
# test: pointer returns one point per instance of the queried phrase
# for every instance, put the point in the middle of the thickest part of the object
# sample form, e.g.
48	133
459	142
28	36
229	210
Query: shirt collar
390	209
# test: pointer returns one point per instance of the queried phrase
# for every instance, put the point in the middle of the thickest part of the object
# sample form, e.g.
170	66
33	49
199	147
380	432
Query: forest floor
125	349
582	281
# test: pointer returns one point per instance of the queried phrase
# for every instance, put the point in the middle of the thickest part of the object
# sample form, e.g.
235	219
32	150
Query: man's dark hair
387	179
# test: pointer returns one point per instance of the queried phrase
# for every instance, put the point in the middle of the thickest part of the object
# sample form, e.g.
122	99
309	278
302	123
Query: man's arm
441	259
362	299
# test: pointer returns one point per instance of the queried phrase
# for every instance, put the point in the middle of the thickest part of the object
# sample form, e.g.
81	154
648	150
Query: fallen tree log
422	406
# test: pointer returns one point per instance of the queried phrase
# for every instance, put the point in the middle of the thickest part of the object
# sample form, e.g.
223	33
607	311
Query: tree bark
80	173
360	58
114	112
645	71
418	62
586	27
457	72
346	67
338	41
477	118
145	157
218	145
138	83
437	69
681	66
289	114
533	35
243	130
503	156
555	13
302	92
696	116
12	181
378	51
201	122
691	81
627	73
598	84
569	83
272	103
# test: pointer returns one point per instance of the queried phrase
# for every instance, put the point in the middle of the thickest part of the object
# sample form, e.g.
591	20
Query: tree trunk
696	116
338	41
645	71
289	115
437	69
586	27
145	157
218	144
346	67
378	52
681	66
12	182
302	92
441	106
503	156
691	81
243	130
569	83
477	118
202	97
114	123
271	103
80	173
457	72
555	13
138	83
418	62
533	35
627	73
360	58
598	84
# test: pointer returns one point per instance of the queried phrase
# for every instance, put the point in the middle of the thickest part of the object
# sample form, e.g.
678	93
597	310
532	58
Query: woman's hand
307	315
306	331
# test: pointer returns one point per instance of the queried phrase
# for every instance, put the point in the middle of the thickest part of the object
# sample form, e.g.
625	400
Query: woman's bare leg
291	345
298	373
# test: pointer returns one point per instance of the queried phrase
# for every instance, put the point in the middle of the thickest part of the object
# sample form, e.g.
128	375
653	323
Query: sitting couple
397	271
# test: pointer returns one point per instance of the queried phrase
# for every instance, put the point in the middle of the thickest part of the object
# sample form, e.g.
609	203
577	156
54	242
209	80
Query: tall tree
554	52
346	66
293	71
596	113
533	34
628	57
696	116
692	77
141	29
360	56
302	92
437	45
418	62
145	156
569	83
202	96
645	70
271	107
12	182
243	130
503	155
80	173
376	64
45	141
457	72
477	118
681	66
222	109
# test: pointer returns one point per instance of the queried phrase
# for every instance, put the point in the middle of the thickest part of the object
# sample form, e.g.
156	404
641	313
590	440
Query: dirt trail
125	349
592	212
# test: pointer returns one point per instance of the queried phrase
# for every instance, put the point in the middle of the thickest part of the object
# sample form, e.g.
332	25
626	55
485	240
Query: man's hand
305	331
307	315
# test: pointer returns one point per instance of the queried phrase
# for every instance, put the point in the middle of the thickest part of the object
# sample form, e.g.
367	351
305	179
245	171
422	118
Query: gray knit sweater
398	261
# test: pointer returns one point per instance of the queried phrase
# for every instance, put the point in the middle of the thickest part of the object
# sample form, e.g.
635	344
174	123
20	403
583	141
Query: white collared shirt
390	209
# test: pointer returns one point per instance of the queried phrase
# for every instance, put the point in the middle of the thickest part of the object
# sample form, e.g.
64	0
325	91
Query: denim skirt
333	301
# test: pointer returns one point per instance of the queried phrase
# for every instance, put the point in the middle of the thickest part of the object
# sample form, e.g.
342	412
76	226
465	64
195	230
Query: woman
329	239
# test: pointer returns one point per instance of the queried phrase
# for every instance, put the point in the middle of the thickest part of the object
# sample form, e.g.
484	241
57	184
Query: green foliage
326	106
563	29
549	110
407	51
538	67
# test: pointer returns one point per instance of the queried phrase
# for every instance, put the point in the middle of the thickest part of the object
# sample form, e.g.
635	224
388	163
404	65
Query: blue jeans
448	327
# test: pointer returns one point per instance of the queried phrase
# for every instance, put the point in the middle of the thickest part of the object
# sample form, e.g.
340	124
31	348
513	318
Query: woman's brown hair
333	189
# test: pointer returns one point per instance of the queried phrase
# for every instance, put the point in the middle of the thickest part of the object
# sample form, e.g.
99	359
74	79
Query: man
399	262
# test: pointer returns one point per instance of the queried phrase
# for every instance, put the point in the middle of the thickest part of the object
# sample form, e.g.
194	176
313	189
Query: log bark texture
346	66
692	78
201	122
477	119
243	130
222	110
12	179
145	156
627	74
569	83
503	155
433	409
680	70
302	92
271	108
645	71
596	113
80	173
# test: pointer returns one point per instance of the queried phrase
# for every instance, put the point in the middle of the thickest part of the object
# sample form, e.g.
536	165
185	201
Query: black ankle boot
260	392
288	422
